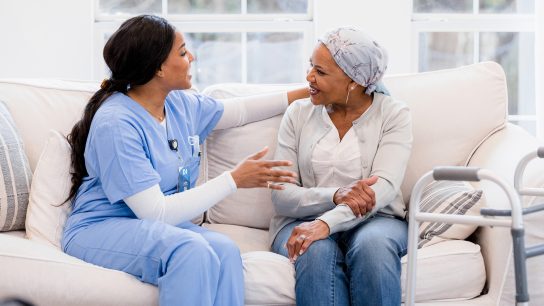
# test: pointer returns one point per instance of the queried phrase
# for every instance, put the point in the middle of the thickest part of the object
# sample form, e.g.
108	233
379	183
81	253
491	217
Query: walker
521	253
515	222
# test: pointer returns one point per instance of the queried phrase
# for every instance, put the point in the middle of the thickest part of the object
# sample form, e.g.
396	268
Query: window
450	33
248	41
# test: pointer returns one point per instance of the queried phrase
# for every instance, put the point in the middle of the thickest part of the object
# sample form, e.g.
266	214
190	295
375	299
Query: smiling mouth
314	91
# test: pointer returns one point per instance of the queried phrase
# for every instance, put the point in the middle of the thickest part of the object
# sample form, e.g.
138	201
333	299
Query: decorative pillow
448	197
47	209
15	175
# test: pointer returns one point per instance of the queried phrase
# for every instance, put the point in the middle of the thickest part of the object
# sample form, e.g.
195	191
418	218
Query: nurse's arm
243	110
152	204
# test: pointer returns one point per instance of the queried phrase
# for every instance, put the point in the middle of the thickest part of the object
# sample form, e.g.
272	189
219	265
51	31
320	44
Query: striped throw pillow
15	175
448	197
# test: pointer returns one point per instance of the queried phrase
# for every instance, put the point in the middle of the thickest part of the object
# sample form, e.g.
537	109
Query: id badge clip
194	142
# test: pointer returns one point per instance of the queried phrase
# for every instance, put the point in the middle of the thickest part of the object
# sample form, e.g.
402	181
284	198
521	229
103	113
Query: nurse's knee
226	248
195	251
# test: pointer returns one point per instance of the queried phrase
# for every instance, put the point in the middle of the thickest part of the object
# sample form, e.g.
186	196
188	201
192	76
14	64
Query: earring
352	87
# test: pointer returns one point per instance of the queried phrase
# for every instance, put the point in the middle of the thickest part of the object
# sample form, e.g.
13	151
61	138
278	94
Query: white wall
50	38
54	38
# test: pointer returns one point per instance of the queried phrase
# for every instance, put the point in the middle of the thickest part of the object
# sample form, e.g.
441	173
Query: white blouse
336	163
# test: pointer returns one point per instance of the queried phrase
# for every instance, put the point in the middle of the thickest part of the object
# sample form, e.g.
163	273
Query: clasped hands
357	195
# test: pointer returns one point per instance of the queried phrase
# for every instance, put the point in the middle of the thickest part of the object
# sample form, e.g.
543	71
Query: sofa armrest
500	153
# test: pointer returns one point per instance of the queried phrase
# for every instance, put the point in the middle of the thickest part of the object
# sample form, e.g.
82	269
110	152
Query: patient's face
328	82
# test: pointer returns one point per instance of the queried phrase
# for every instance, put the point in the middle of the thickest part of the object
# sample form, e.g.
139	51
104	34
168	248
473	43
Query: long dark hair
134	53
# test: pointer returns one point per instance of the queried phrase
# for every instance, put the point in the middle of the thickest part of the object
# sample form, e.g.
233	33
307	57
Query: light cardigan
384	132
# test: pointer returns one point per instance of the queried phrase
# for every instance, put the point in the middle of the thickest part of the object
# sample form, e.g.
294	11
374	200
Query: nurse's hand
254	172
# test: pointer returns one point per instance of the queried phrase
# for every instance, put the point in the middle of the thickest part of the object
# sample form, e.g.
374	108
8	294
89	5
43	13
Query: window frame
211	23
474	23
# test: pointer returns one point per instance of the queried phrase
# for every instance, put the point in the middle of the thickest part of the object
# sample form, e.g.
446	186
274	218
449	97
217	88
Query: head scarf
359	56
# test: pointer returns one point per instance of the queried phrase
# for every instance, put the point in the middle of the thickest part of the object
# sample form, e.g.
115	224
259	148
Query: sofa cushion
438	271
248	241
226	148
272	275
266	274
47	209
44	275
15	175
448	121
269	279
448	197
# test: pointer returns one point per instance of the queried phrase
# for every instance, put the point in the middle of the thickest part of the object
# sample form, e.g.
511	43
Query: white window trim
539	67
218	23
470	22
306	28
243	16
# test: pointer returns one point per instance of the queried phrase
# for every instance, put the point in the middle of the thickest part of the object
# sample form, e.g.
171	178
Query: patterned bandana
359	56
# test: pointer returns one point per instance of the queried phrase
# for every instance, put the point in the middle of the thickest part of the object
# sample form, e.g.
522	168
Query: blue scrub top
127	152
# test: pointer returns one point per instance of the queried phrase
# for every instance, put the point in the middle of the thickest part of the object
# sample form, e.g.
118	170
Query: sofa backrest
453	112
38	106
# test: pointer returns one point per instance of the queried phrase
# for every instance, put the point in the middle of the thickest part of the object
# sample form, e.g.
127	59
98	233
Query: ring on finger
301	238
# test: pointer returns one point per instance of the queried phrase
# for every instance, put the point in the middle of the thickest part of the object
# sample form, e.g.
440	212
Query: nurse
135	160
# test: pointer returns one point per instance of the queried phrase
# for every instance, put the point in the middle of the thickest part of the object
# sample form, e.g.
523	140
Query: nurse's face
328	82
176	68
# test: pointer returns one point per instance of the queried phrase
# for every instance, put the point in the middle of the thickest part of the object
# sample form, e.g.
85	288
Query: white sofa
459	118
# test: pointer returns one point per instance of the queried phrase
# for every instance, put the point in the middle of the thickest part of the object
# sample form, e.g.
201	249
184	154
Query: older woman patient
342	224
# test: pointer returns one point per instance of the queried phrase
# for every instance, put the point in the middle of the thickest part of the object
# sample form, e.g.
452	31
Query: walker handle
456	173
540	152
492	212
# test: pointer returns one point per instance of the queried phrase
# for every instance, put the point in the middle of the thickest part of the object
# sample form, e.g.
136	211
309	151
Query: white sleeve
243	110
336	216
341	218
152	204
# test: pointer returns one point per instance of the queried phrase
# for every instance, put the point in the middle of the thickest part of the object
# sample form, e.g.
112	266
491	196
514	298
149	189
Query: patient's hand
304	235
358	196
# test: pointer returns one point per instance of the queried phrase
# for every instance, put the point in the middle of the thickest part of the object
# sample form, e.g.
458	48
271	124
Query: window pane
529	126
112	7
204	6
275	57
441	50
443	6
218	57
515	53
277	6
507	6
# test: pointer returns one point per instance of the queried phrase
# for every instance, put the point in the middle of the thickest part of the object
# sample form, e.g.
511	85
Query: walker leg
520	267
